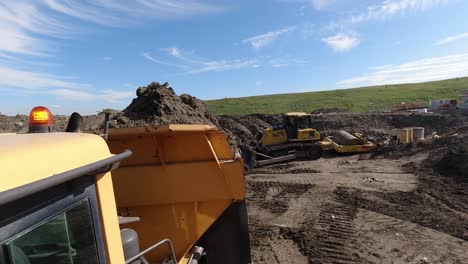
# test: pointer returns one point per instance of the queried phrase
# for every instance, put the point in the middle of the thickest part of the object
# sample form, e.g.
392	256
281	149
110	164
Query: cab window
68	237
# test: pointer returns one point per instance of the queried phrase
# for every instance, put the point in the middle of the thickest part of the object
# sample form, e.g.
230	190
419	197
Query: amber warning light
41	120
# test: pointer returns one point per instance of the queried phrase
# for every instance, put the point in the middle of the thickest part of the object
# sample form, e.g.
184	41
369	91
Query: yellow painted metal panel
183	223
25	158
273	137
307	134
405	135
174	183
178	181
353	148
109	221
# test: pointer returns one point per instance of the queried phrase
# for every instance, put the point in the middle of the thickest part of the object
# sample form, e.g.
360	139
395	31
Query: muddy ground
398	207
405	204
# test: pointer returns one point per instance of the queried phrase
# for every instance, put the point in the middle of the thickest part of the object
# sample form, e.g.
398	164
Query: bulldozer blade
276	160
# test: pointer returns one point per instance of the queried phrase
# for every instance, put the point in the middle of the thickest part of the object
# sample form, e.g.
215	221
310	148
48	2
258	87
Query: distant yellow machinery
170	193
410	134
344	142
296	138
293	139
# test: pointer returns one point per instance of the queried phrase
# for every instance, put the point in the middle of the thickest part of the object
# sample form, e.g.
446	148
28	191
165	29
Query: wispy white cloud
429	69
71	94
195	66
342	42
26	25
223	65
321	4
20	23
316	4
151	58
31	30
43	83
23	79
453	38
259	83
109	96
262	40
385	10
118	13
285	61
175	52
191	64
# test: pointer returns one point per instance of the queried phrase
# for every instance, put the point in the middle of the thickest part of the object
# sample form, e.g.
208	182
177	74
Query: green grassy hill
373	98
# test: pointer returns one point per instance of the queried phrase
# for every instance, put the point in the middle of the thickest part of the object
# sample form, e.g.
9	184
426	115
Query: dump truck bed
183	181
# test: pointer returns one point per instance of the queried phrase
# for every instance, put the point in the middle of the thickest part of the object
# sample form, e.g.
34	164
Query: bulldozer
296	139
293	139
152	194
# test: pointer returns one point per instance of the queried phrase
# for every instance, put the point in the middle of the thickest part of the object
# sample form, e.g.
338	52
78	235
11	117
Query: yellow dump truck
167	194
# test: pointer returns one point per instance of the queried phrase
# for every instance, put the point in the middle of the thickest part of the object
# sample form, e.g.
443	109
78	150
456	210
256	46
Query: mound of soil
159	104
379	124
450	157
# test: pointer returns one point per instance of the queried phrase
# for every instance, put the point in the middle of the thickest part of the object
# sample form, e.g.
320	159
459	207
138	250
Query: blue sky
88	55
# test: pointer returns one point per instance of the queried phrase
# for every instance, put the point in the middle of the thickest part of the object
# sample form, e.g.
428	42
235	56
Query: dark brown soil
277	201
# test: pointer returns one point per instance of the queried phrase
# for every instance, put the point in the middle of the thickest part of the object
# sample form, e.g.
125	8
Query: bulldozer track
273	150
288	146
336	229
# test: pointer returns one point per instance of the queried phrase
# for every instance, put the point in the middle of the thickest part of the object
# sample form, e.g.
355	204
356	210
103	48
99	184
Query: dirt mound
450	157
380	124
159	104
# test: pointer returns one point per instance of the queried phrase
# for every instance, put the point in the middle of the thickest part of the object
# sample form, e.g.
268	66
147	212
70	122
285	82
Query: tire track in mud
327	239
337	223
275	196
417	207
283	171
404	241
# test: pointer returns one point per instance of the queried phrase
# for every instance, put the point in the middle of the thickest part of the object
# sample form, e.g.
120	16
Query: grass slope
374	98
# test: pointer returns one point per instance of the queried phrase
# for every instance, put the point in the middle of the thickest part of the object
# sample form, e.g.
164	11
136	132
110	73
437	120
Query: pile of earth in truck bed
159	104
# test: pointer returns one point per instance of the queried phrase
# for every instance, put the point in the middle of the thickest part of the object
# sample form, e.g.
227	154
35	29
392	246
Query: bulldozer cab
298	127
293	122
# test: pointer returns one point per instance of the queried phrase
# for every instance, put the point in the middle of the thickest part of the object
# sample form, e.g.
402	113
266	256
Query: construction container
418	133
405	135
